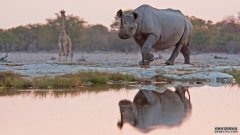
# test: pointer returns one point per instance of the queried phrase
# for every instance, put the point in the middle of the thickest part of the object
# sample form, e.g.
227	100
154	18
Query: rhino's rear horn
135	15
119	13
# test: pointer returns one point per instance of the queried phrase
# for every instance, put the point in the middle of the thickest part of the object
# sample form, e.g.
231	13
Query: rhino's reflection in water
152	109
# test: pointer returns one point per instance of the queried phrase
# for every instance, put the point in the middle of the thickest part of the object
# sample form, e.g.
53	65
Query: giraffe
64	41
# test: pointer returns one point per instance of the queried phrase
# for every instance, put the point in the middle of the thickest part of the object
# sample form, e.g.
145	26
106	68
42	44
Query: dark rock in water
82	59
4	58
52	58
218	57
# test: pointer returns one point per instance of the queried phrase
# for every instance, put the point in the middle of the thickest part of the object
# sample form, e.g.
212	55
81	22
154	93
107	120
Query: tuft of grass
13	80
54	83
96	77
93	77
41	82
236	75
21	83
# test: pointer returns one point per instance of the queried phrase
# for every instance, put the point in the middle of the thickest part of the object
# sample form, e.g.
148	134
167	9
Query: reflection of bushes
68	81
57	93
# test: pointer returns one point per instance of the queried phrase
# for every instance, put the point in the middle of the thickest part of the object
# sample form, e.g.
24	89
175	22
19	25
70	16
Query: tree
207	36
8	41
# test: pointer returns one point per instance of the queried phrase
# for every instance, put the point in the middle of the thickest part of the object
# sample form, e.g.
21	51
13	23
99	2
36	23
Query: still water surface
142	112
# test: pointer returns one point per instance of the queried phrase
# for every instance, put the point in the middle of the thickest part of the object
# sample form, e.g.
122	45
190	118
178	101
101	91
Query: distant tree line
223	36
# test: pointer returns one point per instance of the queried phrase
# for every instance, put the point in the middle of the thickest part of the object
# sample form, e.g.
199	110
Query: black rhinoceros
157	28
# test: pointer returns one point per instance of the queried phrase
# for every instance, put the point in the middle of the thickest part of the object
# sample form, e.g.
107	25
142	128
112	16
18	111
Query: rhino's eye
131	28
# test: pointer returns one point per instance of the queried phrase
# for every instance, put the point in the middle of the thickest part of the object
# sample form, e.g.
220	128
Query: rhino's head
128	113
128	24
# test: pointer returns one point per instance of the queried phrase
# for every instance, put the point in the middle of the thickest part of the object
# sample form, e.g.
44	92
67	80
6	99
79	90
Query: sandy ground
121	59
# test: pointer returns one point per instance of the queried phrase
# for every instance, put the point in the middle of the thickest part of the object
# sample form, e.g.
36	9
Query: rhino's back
146	11
167	24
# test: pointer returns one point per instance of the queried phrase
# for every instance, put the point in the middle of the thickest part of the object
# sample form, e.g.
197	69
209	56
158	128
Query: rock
82	59
214	78
4	58
218	57
52	58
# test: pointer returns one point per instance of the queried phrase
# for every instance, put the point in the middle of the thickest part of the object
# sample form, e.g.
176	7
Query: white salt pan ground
209	68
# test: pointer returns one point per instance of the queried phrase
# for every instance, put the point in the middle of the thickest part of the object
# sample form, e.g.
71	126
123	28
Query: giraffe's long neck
63	31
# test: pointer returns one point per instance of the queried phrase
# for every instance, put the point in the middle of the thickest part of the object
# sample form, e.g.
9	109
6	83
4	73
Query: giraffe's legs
60	45
70	59
66	58
59	57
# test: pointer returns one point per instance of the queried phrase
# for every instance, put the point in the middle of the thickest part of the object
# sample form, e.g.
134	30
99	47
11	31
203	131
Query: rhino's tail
185	38
188	42
188	26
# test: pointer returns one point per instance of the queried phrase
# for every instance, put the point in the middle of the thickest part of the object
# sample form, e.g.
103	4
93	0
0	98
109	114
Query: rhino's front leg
147	57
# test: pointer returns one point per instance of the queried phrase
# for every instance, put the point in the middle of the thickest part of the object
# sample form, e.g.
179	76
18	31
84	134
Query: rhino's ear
135	15
119	13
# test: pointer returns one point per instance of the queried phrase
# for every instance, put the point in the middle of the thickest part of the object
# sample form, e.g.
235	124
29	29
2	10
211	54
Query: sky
22	12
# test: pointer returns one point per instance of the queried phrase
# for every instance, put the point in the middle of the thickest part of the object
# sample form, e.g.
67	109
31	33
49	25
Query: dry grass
13	80
68	81
236	75
57	82
103	77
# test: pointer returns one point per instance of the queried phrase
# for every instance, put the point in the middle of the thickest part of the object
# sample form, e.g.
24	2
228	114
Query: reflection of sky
97	114
22	12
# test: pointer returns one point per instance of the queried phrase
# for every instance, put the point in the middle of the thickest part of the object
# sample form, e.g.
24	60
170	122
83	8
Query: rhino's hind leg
181	45
175	53
186	53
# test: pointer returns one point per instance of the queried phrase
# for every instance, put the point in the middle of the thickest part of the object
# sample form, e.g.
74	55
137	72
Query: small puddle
176	110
